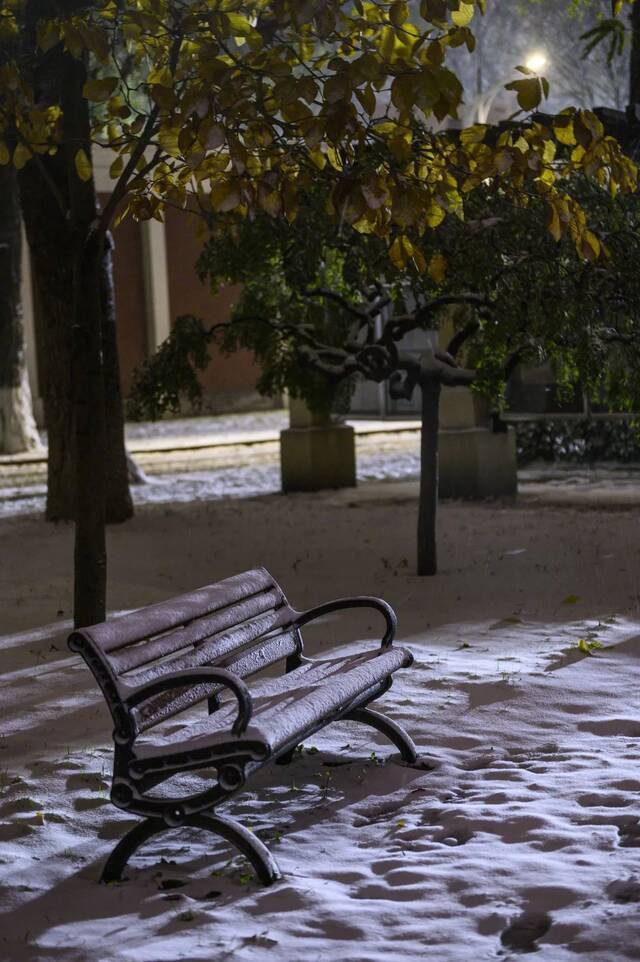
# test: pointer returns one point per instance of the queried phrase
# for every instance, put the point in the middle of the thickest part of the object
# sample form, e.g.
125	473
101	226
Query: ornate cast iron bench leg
233	832
394	732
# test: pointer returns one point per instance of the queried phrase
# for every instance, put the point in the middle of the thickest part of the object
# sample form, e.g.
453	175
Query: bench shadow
79	898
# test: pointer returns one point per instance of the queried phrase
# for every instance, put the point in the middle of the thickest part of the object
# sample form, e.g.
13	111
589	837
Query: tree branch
460	337
338	299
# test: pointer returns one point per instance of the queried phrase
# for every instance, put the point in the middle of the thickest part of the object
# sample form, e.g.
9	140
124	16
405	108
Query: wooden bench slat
155	619
162	707
263	655
198	633
286	706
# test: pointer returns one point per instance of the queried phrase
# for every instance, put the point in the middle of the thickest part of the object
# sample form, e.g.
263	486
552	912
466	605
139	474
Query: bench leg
394	732
233	832
287	758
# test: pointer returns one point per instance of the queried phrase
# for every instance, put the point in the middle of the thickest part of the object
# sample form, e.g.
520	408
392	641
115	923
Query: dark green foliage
547	303
279	315
164	380
583	441
306	286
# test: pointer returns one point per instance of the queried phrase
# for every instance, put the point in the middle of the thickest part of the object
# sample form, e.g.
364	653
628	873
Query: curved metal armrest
362	601
196	676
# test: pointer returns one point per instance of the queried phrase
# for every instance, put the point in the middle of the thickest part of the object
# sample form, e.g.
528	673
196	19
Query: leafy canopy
232	105
320	303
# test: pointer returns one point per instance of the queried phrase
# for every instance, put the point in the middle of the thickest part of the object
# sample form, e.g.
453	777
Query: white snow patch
528	824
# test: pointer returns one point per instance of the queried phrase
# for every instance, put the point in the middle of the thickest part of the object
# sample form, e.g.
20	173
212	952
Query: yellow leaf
83	165
168	140
435	215
317	158
367	98
563	129
401	251
100	88
20	156
403	92
240	26
5	156
270	201
549	152
399	12
590	246
529	92
116	167
160	75
464	15
438	268
473	135
553	224
419	261
224	197
164	97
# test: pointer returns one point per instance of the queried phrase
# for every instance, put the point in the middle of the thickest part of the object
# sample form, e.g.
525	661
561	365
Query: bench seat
285	709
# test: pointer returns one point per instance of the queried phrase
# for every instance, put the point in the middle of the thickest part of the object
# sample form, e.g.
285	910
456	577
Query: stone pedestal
315	452
475	462
460	409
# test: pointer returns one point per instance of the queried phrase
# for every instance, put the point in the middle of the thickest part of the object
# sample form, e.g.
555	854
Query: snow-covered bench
158	662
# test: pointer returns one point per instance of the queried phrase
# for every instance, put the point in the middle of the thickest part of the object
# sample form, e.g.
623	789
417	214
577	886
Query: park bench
157	662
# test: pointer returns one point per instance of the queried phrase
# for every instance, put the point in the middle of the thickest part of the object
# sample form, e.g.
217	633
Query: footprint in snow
524	932
629	834
624	890
454	835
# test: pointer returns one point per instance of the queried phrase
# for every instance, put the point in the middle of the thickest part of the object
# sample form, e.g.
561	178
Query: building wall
155	282
228	381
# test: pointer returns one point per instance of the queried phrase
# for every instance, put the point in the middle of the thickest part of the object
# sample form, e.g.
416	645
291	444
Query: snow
523	833
258	474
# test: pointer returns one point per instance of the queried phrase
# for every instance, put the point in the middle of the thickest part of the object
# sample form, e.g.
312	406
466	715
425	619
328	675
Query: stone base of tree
17	427
476	463
313	458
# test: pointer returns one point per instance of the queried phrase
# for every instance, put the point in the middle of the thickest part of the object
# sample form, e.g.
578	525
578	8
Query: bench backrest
243	623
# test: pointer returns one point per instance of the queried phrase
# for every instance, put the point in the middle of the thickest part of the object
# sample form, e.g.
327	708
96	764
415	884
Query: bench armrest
197	676
363	601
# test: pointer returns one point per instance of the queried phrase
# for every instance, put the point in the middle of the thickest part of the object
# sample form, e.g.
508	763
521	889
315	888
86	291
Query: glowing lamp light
536	61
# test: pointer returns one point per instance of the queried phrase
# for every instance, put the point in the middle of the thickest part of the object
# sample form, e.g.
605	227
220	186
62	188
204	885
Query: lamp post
479	109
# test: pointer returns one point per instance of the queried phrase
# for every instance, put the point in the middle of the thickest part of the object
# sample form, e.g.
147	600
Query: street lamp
536	61
479	109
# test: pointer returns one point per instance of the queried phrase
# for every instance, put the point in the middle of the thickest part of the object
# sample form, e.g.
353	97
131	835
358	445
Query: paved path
203	459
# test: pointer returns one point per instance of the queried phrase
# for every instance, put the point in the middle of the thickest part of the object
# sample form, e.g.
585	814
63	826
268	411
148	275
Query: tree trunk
634	73
17	426
52	255
54	232
119	506
90	553
428	506
52	259
69	257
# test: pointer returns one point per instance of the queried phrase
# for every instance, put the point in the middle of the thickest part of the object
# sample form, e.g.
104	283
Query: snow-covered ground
524	833
258	473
